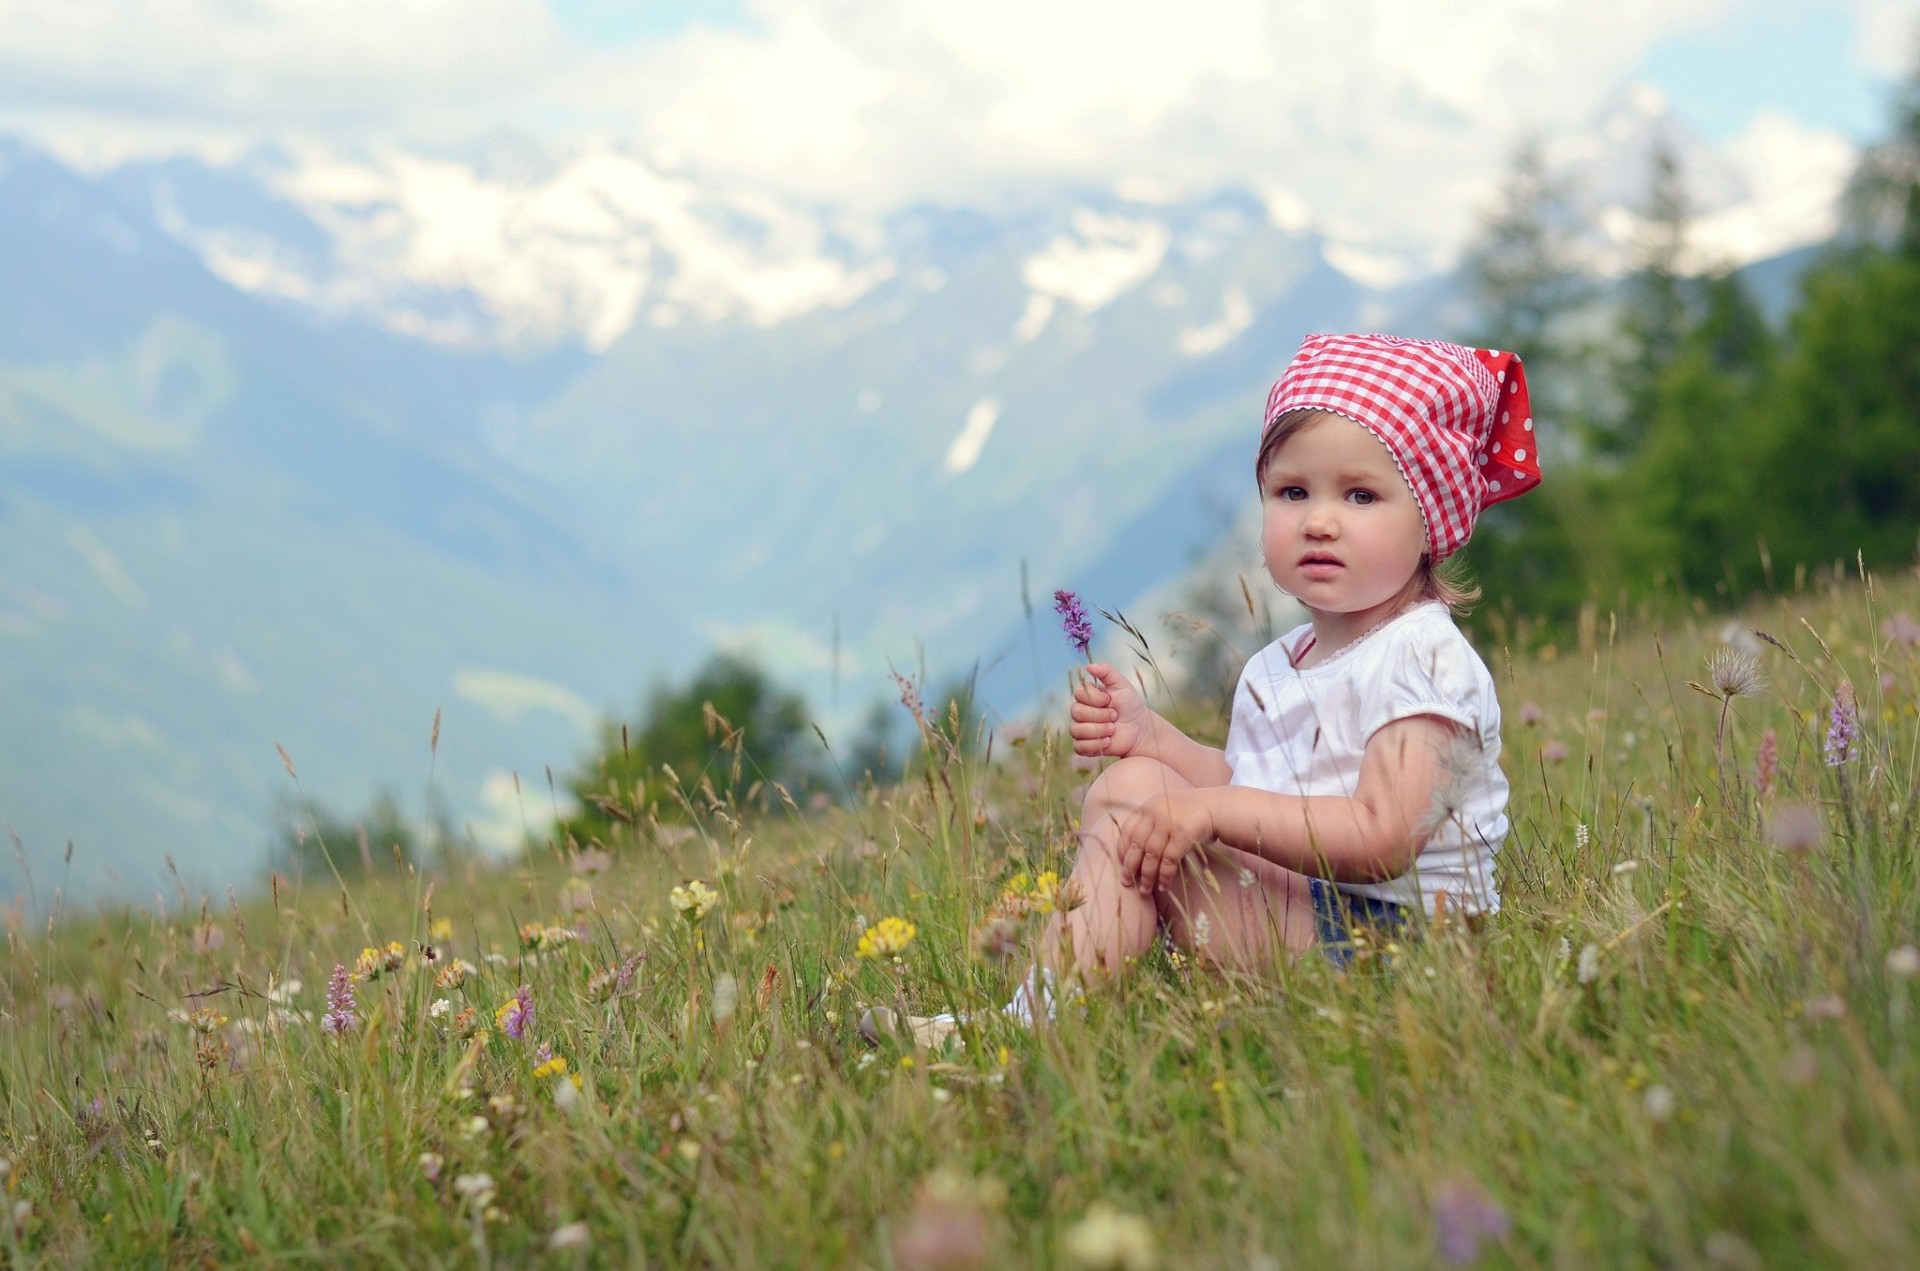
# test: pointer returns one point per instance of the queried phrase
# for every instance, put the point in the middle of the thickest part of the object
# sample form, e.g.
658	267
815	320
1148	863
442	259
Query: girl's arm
1110	718
1370	836
1200	764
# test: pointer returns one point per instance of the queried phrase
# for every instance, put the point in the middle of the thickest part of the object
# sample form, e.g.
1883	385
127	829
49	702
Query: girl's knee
1132	779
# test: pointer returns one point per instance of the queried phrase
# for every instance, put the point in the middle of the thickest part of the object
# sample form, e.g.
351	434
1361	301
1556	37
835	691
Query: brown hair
1446	582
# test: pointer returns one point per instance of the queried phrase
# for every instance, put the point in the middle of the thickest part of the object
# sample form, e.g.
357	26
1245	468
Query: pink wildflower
341	1016
1766	767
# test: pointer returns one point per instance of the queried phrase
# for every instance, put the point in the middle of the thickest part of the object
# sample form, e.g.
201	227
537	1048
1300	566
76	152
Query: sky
1388	121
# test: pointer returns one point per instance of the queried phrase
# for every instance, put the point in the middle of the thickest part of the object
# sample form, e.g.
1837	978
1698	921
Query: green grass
1728	1077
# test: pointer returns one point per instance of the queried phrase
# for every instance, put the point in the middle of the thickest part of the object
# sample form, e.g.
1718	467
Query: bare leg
1113	925
1253	908
1238	910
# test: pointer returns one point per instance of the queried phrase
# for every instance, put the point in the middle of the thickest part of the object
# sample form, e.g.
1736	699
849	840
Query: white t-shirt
1304	731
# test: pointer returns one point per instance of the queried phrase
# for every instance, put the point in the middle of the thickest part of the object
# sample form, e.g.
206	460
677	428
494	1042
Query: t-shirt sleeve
1431	672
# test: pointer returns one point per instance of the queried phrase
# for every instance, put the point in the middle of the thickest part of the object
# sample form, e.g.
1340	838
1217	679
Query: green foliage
314	841
1694	482
728	734
1842	473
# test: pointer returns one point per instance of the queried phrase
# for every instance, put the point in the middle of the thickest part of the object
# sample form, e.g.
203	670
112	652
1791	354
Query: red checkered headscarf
1456	420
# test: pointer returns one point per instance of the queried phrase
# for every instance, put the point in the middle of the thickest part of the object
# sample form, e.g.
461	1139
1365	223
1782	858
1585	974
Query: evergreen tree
1690	514
728	729
1842	472
1525	268
1656	306
1882	202
1528	285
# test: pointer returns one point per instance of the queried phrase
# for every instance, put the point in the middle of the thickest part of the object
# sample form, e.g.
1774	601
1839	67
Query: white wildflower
1904	961
440	1007
1109	1239
1581	836
1202	931
1659	1103
726	997
1589	968
573	1235
475	1189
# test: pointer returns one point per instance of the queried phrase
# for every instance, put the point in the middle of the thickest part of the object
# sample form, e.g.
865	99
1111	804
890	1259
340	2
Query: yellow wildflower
372	961
887	938
555	1067
693	899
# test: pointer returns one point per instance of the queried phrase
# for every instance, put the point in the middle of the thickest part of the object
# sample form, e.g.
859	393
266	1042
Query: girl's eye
1292	493
1362	497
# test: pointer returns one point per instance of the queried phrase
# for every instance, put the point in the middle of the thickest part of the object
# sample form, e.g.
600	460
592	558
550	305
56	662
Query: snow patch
1236	315
966	448
1367	266
1103	257
581	250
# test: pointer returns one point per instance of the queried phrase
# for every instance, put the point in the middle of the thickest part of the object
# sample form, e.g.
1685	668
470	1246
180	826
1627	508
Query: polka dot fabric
1456	420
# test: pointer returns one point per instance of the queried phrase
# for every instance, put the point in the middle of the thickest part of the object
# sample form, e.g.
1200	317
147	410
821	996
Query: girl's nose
1320	521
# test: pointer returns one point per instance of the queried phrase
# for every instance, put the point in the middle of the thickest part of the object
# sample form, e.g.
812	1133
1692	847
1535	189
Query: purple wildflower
1841	729
1073	620
1463	1216
341	1016
516	1017
1901	629
629	969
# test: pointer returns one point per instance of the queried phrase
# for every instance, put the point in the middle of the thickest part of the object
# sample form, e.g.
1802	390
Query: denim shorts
1338	914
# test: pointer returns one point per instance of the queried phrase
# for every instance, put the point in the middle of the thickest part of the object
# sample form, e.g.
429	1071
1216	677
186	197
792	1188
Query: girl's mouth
1319	567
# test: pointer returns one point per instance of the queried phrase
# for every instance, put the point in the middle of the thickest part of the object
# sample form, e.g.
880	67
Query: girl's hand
1109	715
1157	836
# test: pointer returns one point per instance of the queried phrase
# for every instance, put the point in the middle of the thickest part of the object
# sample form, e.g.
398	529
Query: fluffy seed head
1735	673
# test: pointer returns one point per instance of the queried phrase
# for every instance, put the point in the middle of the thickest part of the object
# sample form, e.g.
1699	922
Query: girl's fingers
1129	859
1169	867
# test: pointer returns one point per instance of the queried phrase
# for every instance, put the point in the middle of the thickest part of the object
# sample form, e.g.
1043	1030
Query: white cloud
510	817
1888	39
1382	124
1792	176
507	695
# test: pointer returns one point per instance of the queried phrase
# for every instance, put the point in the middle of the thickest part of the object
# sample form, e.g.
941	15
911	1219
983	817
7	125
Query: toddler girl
1360	780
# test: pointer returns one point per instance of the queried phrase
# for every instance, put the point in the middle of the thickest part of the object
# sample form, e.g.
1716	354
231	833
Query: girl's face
1341	532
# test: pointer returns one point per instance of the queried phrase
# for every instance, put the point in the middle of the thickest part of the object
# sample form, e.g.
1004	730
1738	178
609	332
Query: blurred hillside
304	449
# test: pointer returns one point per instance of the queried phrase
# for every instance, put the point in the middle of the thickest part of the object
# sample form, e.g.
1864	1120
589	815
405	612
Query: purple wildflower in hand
1841	729
341	1016
516	1017
1463	1216
1073	620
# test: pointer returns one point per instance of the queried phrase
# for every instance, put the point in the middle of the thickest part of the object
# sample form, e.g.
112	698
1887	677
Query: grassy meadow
1689	1039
